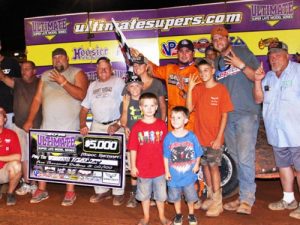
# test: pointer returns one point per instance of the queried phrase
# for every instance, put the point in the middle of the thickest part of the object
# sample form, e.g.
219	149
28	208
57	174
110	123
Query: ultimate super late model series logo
272	13
49	29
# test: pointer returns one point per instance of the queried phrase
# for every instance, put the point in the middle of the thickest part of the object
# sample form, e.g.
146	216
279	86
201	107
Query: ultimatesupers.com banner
156	32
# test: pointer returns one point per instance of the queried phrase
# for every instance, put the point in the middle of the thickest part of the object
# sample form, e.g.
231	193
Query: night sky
13	12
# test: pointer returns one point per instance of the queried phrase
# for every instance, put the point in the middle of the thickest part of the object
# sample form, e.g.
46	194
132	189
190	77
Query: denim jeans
240	138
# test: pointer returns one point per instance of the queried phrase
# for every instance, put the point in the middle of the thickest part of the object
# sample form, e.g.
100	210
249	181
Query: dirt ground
82	212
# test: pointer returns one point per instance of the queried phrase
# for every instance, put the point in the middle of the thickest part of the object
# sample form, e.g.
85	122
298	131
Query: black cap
132	78
139	60
59	51
185	43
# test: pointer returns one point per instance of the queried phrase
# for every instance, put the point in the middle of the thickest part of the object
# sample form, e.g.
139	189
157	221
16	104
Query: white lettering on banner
164	24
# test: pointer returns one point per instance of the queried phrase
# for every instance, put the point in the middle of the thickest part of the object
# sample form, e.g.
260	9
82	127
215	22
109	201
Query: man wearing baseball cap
59	93
176	76
235	68
279	90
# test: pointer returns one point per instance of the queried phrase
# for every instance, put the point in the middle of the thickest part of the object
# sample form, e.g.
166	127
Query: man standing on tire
279	91
235	68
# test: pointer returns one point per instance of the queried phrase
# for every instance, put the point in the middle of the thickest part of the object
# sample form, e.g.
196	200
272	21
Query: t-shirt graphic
182	156
149	136
135	113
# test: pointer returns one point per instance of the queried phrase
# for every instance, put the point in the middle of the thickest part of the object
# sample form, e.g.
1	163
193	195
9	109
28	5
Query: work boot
208	201
217	206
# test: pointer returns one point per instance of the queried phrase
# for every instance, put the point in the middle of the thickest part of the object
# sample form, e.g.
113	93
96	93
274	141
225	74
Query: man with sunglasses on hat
176	76
235	68
279	92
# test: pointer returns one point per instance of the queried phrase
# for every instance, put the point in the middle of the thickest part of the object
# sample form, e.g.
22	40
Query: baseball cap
185	43
59	51
139	60
132	78
277	45
220	30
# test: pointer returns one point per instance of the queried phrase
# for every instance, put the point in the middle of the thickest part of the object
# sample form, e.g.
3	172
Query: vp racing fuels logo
49	29
101	145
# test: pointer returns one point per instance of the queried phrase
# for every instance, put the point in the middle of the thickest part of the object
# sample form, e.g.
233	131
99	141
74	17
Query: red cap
220	30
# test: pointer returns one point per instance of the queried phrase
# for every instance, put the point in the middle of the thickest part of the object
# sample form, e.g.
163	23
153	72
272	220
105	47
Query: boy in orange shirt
211	103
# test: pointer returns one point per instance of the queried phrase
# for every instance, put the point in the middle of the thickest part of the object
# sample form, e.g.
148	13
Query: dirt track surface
82	212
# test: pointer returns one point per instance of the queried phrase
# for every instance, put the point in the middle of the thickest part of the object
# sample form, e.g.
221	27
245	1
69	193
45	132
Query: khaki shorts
4	177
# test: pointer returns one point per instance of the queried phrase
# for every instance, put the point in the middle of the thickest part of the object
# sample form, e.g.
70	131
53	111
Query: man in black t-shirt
10	67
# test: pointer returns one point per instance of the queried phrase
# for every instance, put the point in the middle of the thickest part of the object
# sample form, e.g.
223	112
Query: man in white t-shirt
103	98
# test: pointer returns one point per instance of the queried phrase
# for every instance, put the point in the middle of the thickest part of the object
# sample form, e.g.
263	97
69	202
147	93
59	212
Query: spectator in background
24	89
10	67
236	67
210	53
279	90
297	57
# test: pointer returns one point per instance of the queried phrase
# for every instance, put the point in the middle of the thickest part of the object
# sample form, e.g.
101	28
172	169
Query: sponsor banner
89	52
156	32
97	159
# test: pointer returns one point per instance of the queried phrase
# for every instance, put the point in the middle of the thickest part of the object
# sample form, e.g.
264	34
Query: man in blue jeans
235	68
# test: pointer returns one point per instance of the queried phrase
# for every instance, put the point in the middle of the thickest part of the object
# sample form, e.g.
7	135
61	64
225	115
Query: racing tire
228	172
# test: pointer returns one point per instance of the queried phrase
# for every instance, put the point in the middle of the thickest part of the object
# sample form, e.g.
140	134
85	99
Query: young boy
130	113
211	103
146	152
182	153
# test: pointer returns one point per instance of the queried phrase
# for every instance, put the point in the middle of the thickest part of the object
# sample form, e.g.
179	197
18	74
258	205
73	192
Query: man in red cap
235	68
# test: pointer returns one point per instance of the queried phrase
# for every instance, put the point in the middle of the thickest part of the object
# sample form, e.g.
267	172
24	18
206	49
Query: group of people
212	100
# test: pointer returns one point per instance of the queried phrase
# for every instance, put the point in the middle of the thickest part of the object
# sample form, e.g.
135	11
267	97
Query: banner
97	159
156	32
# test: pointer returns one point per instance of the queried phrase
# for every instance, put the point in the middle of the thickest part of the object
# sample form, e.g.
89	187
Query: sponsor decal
49	29
272	13
111	178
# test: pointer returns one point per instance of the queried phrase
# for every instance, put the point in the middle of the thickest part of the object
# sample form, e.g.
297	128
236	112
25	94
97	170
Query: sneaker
192	220
178	219
11	199
244	208
99	197
69	198
132	202
39	196
118	200
296	213
281	205
33	188
24	189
